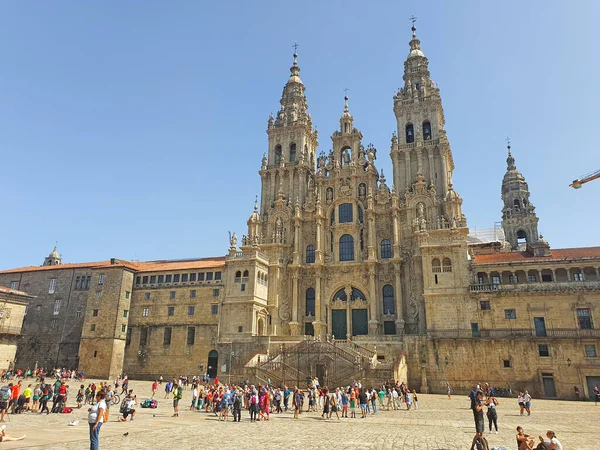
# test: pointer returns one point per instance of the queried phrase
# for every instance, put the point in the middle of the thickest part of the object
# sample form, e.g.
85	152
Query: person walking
521	401
154	388
415	399
492	414
477	408
449	391
527	400
236	406
96	419
177	395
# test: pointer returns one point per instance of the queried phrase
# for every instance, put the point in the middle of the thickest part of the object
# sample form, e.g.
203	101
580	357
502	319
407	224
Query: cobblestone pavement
438	424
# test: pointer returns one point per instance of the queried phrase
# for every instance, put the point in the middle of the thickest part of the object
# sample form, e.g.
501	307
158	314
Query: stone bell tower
289	164
519	221
421	155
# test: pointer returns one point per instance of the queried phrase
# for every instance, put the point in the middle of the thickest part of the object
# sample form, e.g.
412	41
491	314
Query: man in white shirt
395	399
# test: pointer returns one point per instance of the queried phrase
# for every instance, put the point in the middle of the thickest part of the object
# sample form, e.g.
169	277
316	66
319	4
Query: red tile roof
5	290
144	266
555	255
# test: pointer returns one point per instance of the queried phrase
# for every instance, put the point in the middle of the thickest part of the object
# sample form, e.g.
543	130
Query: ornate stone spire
293	100
346	121
518	214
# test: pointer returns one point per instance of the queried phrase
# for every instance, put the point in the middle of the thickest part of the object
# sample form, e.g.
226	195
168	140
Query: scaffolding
487	235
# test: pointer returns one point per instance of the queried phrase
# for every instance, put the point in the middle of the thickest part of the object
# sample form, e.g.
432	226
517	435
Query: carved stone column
294	325
373	322
398	298
348	291
319	324
553	275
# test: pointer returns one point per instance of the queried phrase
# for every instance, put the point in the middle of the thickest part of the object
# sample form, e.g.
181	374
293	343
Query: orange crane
576	184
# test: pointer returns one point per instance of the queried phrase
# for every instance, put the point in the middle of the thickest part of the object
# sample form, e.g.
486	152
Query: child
415	399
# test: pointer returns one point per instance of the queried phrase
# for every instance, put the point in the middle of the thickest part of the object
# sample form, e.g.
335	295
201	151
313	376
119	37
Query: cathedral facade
342	274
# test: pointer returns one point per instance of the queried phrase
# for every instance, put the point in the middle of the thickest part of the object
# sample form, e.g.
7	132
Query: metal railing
536	286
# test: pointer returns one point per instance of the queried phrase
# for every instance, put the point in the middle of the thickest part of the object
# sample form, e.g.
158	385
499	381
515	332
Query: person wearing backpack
177	395
4	399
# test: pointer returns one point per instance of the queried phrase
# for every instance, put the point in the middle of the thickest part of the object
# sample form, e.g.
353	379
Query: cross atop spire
296	45
413	19
508	144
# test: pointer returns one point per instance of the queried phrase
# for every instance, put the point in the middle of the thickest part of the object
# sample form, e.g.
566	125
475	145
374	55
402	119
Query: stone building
340	276
13	307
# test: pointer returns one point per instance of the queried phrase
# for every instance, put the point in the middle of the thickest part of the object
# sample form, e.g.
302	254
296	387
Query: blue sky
136	129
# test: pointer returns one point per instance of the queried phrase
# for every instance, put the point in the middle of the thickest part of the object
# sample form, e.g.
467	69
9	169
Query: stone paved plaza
438	424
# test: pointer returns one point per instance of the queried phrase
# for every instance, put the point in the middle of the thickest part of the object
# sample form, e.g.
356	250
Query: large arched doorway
261	327
213	360
349	314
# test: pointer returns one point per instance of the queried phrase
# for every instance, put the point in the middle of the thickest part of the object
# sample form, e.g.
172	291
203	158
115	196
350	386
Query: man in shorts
177	394
477	406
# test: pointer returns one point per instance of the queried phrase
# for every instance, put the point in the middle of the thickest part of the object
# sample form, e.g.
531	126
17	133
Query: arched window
389	305
426	131
278	154
340	295
360	214
245	277
521	237
410	133
310	302
436	266
446	265
517	204
292	152
355	295
238	277
346	248
386	249
345	213
310	254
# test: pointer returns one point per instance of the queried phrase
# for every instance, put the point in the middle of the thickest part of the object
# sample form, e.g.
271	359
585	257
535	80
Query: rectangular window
217	275
191	335
138	280
507	363
590	351
172	295
215	292
389	327
152	279
214	309
201	276
93	327
193	293
243	287
176	278
100	279
510	314
14	285
584	318
578	276
345	213
79	312
145	312
95	313
57	307
168	278
143	336
191	310
495	279
241	329
147	295
125	313
167	336
95	353
54	323
145	280
98	294
161	279
531	278
543	350
192	277
309	329
127	294
513	279
77	283
475	330
209	276
170	311
123	328
52	287
128	337
546	278
88	281
485	305
184	278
